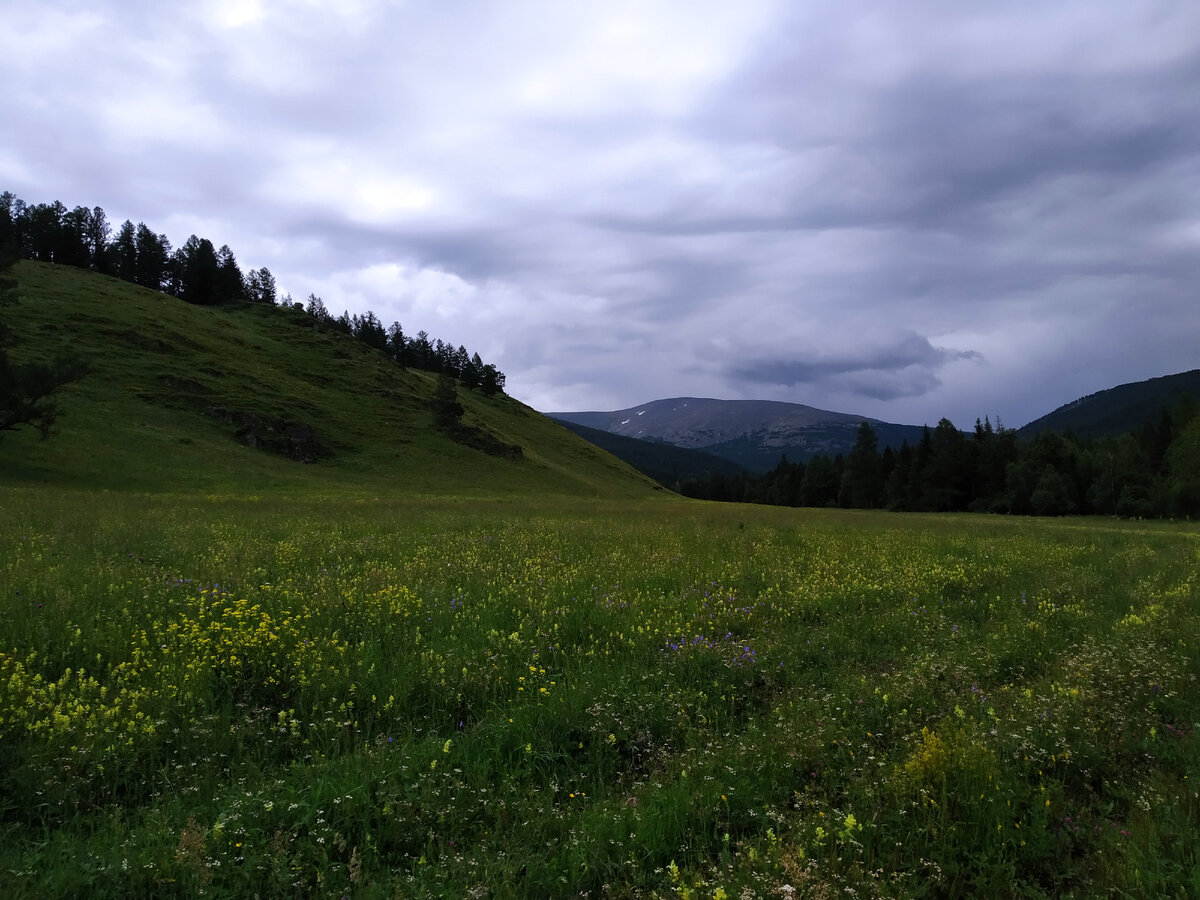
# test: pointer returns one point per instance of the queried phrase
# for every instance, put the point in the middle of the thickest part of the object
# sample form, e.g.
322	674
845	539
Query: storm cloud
906	211
906	367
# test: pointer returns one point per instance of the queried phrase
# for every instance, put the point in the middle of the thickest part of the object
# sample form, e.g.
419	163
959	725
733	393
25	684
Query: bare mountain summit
753	433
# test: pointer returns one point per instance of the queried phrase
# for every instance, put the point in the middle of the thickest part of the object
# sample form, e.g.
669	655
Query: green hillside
665	463
251	398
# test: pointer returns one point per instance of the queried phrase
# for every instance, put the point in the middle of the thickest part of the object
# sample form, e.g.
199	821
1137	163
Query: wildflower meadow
273	697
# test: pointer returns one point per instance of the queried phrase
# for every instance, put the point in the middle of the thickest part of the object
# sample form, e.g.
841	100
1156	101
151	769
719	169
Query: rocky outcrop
294	440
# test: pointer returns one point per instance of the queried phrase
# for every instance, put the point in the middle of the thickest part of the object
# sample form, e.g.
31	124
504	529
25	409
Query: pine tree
862	482
491	381
260	286
153	258
123	255
230	285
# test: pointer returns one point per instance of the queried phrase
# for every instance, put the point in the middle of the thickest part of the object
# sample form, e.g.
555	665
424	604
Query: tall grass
341	698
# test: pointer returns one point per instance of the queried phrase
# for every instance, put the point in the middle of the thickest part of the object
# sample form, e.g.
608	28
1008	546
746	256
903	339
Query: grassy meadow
232	696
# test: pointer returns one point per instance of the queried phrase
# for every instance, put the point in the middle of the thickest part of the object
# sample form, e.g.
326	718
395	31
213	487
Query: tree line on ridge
199	273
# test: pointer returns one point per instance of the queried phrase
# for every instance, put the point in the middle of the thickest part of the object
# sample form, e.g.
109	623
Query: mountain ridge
755	434
678	420
1123	407
751	433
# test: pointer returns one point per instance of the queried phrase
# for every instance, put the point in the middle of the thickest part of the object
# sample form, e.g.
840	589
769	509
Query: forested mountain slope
1119	409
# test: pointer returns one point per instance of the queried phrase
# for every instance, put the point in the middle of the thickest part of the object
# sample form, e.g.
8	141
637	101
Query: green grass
538	697
143	418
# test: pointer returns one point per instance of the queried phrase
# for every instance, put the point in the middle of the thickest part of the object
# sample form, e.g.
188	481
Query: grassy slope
141	419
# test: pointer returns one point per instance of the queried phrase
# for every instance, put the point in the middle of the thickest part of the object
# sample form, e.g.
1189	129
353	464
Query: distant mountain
751	433
1119	409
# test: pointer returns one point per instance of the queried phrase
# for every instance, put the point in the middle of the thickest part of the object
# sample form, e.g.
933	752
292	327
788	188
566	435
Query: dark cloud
616	202
906	367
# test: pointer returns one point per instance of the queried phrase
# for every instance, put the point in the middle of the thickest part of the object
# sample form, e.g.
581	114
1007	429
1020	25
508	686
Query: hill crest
183	397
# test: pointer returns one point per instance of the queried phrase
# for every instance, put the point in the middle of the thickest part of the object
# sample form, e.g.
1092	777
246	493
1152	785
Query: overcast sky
906	210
